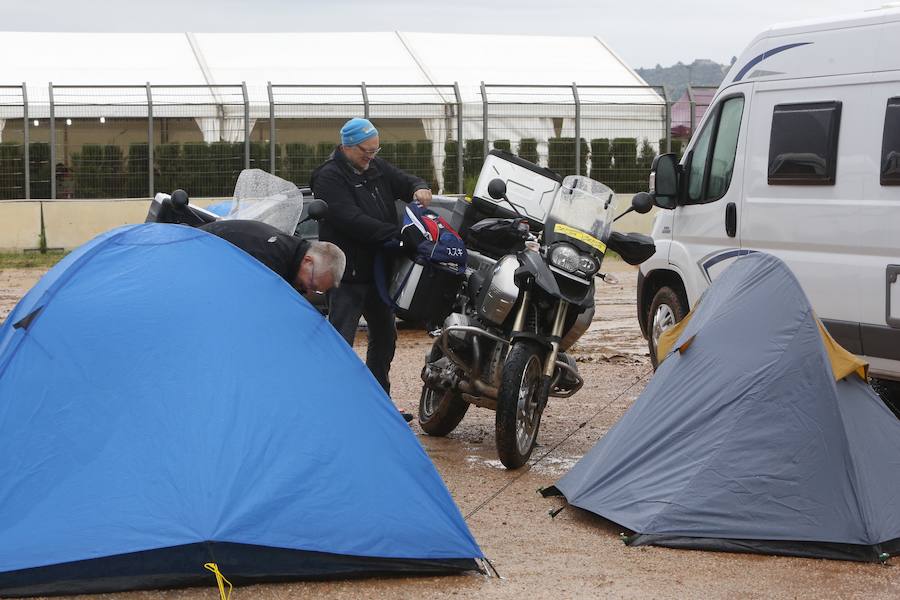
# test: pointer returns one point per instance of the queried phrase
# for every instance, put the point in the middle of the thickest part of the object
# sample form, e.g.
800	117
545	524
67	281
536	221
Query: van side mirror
664	181
496	189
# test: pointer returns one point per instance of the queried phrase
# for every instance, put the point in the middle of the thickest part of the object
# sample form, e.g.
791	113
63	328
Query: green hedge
561	155
12	171
528	149
299	163
261	158
624	174
601	160
227	162
39	163
473	158
451	167
424	162
87	177
168	164
137	184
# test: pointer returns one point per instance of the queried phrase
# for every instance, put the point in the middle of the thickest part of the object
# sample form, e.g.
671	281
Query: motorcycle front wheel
519	404
440	411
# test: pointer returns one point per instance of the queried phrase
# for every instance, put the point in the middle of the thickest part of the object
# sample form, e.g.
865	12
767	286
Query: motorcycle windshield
582	210
261	196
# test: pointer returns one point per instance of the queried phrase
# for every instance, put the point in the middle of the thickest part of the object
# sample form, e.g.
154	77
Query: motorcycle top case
529	187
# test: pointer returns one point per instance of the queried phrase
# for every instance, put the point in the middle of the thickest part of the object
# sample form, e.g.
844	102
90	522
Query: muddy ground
575	555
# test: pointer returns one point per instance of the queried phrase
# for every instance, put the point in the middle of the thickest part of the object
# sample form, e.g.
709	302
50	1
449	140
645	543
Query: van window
710	171
890	144
803	143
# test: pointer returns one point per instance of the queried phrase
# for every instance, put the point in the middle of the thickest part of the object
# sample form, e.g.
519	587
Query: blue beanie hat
357	130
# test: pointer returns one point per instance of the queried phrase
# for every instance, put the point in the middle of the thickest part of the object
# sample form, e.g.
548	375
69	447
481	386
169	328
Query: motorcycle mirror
180	198
317	210
642	202
496	189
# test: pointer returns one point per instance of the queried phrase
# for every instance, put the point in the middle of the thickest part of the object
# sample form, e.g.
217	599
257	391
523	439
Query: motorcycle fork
559	322
519	323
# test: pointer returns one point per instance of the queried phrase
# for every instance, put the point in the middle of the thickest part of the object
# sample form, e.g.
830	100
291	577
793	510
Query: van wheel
666	310
889	392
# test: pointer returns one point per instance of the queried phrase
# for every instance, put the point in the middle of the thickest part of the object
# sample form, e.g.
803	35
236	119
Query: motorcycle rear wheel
519	404
440	411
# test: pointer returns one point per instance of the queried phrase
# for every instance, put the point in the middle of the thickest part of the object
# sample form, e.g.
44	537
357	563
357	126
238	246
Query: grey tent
756	434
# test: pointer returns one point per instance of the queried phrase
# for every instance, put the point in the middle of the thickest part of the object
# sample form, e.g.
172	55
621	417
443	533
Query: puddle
550	465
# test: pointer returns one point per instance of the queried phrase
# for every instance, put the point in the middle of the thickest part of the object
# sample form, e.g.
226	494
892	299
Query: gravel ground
575	554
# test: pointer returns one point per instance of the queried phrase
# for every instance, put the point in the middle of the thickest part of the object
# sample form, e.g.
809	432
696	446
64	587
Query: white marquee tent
329	59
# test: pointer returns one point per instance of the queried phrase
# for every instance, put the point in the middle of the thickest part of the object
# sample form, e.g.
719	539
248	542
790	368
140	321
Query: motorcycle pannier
429	272
422	292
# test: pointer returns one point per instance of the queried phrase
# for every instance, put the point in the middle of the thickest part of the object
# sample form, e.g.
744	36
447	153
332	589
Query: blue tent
141	438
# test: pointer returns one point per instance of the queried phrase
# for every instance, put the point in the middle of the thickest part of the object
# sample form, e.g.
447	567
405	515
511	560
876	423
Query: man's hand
423	196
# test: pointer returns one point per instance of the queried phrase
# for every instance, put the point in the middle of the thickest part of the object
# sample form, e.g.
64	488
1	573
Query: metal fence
80	142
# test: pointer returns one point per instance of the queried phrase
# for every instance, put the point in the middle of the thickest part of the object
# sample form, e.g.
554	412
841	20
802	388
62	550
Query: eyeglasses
369	152
312	280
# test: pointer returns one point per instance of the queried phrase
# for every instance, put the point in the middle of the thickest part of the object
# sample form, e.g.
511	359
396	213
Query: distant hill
677	77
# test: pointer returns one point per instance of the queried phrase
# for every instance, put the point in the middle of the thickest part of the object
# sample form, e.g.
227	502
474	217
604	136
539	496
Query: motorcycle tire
519	404
440	411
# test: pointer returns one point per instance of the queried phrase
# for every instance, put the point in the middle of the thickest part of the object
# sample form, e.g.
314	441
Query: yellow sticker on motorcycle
580	236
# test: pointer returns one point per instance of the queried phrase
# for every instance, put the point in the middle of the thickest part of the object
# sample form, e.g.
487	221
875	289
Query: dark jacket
269	245
361	213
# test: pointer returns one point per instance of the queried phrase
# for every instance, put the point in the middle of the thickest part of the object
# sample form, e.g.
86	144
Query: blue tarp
168	390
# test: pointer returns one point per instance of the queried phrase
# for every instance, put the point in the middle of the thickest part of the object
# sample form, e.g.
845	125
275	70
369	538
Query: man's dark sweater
272	247
361	212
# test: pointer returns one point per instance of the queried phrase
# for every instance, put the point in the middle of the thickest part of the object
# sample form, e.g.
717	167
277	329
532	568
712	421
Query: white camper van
797	156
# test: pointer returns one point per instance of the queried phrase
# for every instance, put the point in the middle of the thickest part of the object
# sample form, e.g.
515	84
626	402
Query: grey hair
328	257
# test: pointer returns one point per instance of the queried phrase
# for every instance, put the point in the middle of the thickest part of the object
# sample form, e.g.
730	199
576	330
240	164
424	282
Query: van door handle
731	219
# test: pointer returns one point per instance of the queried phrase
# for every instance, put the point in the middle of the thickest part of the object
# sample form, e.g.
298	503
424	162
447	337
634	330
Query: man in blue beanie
360	190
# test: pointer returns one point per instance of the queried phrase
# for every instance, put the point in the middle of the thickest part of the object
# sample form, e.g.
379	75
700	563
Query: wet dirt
575	554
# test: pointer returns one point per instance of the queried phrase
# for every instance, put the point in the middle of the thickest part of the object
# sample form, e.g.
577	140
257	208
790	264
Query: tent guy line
580	426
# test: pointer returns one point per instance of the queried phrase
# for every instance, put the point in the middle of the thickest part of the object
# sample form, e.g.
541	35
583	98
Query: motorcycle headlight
587	264
565	257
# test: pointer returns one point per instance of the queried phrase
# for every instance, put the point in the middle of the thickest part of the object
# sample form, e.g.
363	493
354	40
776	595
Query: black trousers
345	306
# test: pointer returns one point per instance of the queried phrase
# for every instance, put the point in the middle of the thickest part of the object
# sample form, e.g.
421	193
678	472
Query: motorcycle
527	297
258	196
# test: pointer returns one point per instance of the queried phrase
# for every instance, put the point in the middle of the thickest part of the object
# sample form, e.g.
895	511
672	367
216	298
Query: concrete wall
67	223
20	226
70	223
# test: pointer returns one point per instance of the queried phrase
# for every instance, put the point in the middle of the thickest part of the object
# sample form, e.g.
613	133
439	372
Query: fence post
668	119
25	134
365	95
459	139
52	146
246	125
150	183
271	129
577	129
484	119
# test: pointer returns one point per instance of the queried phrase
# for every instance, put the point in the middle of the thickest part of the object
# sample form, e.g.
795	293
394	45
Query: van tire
889	392
666	310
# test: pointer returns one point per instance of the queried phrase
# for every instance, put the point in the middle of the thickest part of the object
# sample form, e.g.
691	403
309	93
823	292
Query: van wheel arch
653	282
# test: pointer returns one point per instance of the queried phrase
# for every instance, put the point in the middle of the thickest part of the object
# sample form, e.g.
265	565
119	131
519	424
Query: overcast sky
642	32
